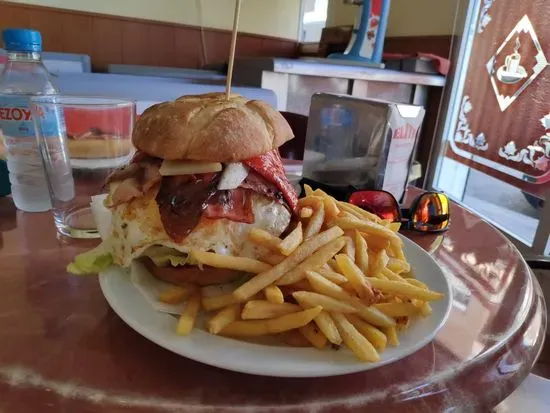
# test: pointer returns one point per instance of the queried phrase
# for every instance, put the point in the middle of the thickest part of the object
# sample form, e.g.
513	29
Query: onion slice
232	176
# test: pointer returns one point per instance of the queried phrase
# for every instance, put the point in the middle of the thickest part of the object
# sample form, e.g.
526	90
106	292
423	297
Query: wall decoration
463	132
502	111
536	155
510	73
484	17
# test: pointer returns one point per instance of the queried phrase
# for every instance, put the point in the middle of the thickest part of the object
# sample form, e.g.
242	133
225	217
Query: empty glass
91	138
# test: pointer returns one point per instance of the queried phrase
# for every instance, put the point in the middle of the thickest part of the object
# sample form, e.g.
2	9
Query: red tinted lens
379	203
431	213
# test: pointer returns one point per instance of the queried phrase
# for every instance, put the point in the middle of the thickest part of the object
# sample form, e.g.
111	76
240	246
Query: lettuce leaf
91	262
165	256
172	260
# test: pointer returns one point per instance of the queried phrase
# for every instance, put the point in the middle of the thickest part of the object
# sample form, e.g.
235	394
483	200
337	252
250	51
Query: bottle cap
22	40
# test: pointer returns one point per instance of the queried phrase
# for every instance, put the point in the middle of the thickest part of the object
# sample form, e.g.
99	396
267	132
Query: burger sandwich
206	170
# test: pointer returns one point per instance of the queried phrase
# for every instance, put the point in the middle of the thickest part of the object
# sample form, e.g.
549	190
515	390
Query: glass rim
83	101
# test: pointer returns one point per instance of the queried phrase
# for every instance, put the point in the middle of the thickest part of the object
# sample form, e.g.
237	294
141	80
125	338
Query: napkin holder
361	143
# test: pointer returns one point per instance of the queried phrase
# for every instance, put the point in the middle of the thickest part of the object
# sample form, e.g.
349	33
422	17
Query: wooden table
63	350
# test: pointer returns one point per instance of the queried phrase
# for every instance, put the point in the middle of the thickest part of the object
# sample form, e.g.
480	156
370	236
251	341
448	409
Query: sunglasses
429	212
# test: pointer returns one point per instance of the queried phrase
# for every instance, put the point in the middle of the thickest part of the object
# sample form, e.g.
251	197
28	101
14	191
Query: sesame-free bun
210	128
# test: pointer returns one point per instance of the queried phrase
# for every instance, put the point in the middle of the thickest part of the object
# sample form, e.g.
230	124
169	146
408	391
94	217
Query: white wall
278	18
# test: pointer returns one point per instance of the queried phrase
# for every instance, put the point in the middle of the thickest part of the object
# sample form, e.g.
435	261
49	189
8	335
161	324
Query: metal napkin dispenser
366	143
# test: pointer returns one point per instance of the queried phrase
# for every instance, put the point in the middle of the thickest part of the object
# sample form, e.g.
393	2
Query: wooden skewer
232	50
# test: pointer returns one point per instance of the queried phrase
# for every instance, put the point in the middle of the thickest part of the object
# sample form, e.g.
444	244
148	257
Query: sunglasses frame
405	214
414	206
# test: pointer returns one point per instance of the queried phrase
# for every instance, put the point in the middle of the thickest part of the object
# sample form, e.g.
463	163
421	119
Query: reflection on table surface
64	349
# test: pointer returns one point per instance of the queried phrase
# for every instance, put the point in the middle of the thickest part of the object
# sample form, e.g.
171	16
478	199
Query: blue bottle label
16	118
17	129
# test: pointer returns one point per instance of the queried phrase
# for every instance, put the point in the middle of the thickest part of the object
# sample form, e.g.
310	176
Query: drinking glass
81	140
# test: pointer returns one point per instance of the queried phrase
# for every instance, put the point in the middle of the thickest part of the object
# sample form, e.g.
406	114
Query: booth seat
146	90
210	76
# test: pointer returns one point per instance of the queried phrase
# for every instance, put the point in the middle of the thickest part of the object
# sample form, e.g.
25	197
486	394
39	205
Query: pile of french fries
339	277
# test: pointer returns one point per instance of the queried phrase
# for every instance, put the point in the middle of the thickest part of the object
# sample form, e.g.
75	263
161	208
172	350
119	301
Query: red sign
15	114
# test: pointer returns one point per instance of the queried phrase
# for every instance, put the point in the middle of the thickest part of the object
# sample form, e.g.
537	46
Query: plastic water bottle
24	76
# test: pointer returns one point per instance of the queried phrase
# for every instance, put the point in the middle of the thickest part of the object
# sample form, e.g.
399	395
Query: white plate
125	299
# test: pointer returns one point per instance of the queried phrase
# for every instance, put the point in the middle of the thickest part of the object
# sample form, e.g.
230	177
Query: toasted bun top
210	128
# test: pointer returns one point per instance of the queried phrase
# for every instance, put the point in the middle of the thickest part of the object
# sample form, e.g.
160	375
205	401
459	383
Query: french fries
315	222
398	266
273	258
315	261
327	326
333	276
404	289
398	309
394	226
369	314
362	347
264	239
349	247
355	276
390	275
249	328
371	333
311	201
331	209
188	316
280	324
268	277
312	333
361	252
308	190
358	212
368	227
292	240
376	243
416	283
307	300
223	318
176	294
273	294
377	262
233	263
426	309
391	335
339	277
259	310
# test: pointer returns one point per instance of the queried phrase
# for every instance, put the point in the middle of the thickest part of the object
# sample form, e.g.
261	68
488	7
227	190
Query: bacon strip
270	167
234	204
125	191
182	200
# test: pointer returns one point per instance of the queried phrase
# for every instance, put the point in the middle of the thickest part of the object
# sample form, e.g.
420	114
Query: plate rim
223	364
